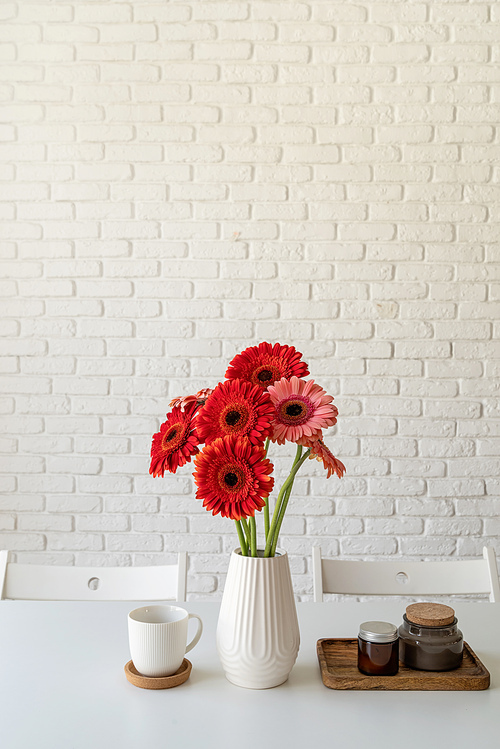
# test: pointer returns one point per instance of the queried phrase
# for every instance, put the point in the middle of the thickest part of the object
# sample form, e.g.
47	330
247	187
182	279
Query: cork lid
430	614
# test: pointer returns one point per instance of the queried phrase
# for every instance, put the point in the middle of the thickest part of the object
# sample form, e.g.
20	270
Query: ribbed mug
157	638
258	634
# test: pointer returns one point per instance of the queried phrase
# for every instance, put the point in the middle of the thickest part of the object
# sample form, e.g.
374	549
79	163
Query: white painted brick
424	547
482	507
220	11
155	368
474	467
361	546
454	488
21	503
40	522
454	526
102	523
251	310
124	32
127	73
74	541
397	486
394	526
160	51
133	504
212	51
280	330
22	541
91	13
336	526
8	523
203	584
423	508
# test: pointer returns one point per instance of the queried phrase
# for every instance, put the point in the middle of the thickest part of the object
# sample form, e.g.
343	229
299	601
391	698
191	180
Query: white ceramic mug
157	638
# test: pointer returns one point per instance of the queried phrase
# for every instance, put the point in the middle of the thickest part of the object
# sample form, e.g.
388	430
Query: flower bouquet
263	399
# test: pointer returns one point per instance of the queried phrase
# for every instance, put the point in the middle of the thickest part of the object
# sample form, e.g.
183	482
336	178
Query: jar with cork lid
429	638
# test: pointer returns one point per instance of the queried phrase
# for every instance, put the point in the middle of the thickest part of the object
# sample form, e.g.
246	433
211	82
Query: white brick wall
183	179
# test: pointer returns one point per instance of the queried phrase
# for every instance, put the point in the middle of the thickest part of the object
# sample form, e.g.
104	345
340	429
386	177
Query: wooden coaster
430	614
158	682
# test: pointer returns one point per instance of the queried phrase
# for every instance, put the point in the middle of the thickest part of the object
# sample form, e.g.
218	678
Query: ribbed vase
258	632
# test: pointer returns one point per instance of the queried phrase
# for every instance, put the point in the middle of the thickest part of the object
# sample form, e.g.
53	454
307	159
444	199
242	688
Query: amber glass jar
429	638
378	649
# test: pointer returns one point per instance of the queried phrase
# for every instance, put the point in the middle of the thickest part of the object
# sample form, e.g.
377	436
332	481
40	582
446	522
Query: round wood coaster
430	614
158	682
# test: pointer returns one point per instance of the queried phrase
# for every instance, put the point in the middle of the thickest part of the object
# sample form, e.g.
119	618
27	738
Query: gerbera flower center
173	436
295	411
233	417
231	479
266	375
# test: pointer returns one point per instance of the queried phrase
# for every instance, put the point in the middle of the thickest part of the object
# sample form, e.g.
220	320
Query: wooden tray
338	661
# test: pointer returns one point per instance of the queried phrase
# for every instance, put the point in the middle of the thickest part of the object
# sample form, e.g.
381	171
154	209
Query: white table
62	686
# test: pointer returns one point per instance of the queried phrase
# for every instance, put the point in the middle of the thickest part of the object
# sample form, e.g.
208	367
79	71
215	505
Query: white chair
38	582
406	578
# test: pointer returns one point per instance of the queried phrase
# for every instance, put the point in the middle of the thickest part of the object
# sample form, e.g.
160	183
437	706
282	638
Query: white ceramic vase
258	632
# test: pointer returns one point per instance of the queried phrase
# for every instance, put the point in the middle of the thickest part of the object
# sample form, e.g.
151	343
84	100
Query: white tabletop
62	686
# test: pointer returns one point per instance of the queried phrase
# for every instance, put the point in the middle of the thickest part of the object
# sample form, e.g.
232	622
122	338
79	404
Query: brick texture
181	180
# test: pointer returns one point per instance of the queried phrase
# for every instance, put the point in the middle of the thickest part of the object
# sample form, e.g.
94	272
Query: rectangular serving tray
338	662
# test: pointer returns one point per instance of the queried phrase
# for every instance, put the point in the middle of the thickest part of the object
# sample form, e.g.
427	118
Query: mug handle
197	636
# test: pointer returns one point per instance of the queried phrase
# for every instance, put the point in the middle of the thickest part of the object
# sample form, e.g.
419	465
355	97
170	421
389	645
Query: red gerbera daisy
324	455
184	401
236	408
232	477
264	364
303	409
174	444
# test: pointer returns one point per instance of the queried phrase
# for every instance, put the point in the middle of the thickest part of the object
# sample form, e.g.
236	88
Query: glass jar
430	647
378	651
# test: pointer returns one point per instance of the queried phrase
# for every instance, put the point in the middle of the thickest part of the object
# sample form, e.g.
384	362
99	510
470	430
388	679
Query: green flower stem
241	536
253	536
266	506
266	519
246	529
285	503
281	494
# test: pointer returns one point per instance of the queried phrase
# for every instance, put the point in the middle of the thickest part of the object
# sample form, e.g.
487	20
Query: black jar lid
378	632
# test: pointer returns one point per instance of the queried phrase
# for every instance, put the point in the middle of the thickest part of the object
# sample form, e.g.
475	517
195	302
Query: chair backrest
37	582
406	578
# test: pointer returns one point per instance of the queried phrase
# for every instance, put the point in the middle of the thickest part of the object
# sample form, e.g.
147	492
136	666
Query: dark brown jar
429	638
378	649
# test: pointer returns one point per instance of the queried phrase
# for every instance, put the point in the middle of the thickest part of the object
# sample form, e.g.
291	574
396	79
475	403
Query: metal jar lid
378	632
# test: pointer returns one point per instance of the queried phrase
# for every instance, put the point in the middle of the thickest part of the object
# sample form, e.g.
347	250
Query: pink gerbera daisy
303	409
